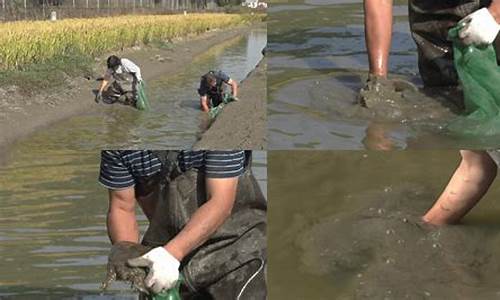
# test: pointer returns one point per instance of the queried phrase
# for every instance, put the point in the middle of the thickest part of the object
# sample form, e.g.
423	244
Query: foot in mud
118	268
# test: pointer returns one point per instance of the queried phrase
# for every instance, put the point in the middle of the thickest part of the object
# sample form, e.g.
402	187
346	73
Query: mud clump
118	268
400	100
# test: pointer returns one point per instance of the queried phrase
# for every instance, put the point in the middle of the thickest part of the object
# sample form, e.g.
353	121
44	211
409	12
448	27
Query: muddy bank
242	124
22	115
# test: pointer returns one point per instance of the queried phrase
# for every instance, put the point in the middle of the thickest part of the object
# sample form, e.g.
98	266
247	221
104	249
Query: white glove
479	28
163	269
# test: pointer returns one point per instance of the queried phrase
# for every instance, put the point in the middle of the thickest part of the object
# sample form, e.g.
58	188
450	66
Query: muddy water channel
349	221
317	65
53	241
174	120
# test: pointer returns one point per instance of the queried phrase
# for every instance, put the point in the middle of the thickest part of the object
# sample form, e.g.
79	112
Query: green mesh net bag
215	111
479	74
142	100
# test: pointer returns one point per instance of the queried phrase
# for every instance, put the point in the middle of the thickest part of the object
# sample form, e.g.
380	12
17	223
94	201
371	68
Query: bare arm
494	9
378	34
234	87
221	193
104	84
467	186
121	221
204	103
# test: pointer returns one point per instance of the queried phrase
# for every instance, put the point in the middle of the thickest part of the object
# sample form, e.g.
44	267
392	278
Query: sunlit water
340	217
174	120
318	63
53	241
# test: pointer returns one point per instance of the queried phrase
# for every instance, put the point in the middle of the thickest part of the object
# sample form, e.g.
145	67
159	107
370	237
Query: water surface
175	118
349	221
318	63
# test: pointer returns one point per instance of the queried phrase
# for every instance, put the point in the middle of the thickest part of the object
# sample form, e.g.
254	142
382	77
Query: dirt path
242	124
20	115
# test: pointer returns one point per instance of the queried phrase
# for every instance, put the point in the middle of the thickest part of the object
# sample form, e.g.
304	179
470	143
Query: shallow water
53	241
350	223
175	118
316	67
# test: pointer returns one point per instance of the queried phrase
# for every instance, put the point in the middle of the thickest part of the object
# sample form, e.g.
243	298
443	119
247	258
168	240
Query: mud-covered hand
98	97
163	269
479	28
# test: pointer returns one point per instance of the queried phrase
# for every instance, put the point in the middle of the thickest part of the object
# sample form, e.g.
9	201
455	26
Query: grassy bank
39	54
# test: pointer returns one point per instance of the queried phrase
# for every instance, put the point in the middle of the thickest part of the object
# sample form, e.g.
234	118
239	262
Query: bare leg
467	186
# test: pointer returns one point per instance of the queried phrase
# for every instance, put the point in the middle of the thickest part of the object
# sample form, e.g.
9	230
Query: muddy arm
378	34
221	193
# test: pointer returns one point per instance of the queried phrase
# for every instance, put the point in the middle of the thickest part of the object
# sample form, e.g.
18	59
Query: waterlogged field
346	225
317	65
28	42
173	123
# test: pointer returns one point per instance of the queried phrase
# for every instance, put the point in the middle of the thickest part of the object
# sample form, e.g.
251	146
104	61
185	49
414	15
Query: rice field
29	42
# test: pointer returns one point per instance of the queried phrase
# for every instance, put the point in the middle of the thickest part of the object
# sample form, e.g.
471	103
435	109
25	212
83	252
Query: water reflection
317	65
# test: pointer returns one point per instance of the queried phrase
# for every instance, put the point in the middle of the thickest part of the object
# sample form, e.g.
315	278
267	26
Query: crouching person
207	219
123	82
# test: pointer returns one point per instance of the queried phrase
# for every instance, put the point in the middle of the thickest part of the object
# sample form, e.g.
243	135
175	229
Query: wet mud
317	66
350	222
401	101
389	253
118	268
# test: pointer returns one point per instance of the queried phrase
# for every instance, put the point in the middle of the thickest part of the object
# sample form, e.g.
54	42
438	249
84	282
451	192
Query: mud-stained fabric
125	85
232	261
429	23
495	156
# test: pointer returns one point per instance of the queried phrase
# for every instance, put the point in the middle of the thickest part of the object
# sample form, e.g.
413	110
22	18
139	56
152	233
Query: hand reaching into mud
98	97
119	269
380	89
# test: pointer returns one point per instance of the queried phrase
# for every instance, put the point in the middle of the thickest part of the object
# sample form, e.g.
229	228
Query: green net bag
142	100
215	111
170	294
479	74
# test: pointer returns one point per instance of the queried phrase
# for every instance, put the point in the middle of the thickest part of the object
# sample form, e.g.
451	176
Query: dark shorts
215	99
